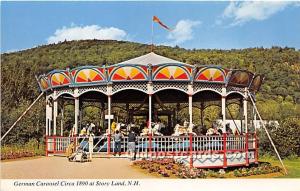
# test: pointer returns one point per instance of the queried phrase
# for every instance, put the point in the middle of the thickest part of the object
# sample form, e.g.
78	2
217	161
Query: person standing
113	126
118	138
131	144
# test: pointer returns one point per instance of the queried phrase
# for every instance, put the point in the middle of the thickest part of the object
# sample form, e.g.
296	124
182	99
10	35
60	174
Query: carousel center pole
150	114
150	127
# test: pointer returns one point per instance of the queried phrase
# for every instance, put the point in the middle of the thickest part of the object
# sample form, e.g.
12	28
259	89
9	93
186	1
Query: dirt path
59	167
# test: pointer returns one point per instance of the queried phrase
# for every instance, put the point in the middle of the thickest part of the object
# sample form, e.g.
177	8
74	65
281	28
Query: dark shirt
131	137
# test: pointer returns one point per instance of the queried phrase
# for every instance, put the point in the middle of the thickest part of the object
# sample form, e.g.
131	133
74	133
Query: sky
207	25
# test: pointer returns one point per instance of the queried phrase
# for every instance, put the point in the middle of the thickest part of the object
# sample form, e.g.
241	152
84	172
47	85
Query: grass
292	165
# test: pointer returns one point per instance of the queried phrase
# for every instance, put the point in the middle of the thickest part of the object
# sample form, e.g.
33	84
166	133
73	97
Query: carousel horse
129	126
90	129
183	130
121	127
156	127
87	130
145	131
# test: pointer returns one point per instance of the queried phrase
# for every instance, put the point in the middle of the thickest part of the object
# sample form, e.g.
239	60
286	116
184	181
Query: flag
156	19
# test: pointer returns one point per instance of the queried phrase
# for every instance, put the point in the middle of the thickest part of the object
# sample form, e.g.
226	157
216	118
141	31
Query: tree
286	137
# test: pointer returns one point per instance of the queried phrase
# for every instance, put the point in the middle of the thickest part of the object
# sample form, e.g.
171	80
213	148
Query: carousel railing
170	145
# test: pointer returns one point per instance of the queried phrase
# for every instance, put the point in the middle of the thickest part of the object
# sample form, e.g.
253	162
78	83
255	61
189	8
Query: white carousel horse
120	126
129	126
183	130
90	129
156	127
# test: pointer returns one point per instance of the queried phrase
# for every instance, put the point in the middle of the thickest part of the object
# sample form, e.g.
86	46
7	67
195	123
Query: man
131	144
118	138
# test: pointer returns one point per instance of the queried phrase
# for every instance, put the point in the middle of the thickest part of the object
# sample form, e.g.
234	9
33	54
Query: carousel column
150	93
109	113
80	114
62	120
245	111
150	113
48	121
191	109
109	95
224	109
190	92
254	120
246	126
224	127
76	111
48	115
55	111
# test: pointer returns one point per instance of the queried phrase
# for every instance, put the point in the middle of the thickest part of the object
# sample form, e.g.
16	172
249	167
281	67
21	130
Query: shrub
286	137
264	168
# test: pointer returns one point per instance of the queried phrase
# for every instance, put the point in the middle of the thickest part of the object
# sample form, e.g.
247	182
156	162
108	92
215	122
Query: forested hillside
278	99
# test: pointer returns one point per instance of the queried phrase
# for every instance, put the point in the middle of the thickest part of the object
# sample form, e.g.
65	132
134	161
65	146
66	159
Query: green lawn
292	165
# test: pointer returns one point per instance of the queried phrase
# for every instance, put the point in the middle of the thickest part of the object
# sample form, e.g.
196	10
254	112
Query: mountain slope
19	87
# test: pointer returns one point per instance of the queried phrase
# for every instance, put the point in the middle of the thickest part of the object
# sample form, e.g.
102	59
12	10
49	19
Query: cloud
10	51
183	31
87	32
245	11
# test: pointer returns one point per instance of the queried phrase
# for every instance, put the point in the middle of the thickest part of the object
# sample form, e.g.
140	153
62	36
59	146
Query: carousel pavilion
152	86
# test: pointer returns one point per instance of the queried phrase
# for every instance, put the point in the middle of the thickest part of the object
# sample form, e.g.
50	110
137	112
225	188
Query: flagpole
152	36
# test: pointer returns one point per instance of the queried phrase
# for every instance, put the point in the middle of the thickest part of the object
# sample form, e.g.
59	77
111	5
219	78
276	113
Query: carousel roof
150	67
151	58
